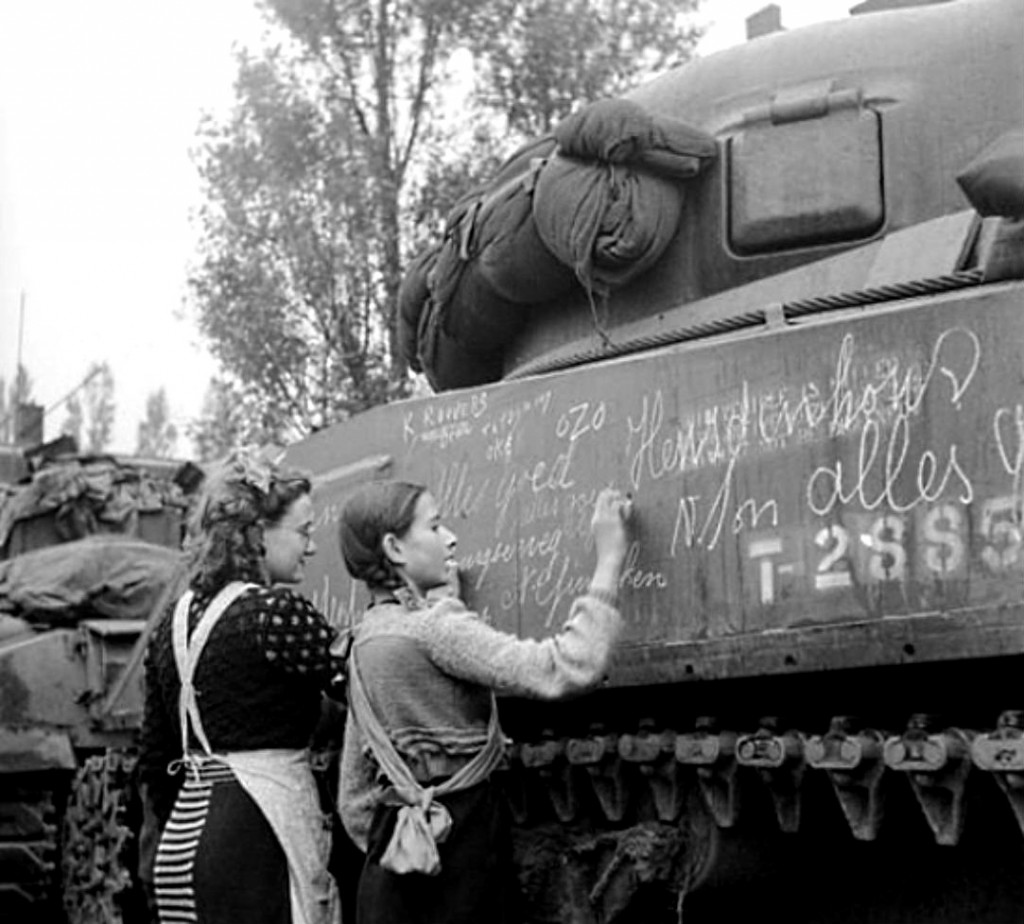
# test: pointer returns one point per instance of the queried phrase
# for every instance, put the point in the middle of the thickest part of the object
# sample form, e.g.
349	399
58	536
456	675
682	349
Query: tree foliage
228	420
341	156
157	435
100	408
286	291
73	419
540	59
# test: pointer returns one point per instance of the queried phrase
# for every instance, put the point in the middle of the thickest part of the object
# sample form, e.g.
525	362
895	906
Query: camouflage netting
592	205
106	575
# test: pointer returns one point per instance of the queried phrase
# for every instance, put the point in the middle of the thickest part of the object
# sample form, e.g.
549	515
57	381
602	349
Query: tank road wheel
97	840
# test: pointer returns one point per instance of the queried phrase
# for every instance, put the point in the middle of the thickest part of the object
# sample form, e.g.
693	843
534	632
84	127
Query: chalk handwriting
635	577
702	525
546	546
1009	432
873	480
341	613
878	390
443	422
500	430
457	494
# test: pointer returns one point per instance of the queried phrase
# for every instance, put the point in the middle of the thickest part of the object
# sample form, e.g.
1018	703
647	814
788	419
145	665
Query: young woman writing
422	735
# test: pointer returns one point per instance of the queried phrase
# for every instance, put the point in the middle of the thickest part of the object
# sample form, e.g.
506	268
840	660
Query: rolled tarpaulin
608	222
619	131
513	258
448	364
413	294
608	202
467	307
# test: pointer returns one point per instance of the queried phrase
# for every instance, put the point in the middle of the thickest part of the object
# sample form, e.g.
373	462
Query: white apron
278	780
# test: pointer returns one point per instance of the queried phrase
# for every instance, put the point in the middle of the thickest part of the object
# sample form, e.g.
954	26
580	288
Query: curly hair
372	512
240	498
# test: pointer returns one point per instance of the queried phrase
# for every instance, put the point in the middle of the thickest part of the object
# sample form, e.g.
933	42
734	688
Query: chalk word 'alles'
930	543
901	480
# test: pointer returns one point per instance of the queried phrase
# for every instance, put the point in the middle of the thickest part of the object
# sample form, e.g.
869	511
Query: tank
89	545
812	391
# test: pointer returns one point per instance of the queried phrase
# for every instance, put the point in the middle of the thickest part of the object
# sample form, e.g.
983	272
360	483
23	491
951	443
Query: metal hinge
806	101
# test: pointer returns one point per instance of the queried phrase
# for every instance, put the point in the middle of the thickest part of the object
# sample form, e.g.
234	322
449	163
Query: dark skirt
476	884
219	861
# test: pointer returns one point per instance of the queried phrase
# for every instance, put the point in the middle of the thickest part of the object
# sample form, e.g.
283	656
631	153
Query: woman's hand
612	511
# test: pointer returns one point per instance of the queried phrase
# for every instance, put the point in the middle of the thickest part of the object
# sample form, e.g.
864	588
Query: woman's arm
571	661
463	645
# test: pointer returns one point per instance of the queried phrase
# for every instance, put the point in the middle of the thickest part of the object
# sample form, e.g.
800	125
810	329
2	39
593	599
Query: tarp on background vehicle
107	575
86	496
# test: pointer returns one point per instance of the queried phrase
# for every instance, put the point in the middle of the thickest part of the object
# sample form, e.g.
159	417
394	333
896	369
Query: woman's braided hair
245	493
372	512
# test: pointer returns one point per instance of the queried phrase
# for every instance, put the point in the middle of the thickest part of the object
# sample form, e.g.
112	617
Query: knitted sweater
429	675
259	682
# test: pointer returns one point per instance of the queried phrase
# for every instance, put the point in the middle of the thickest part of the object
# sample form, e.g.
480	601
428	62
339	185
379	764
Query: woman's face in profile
289	543
426	552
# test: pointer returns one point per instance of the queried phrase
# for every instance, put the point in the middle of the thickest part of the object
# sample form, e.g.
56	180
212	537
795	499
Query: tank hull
823	602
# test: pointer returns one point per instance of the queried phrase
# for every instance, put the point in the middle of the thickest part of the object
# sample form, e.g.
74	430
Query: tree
340	158
377	67
157	436
100	407
229	419
286	288
541	59
73	418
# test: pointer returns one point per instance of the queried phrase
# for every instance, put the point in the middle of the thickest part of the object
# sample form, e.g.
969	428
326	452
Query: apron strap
187	651
422	823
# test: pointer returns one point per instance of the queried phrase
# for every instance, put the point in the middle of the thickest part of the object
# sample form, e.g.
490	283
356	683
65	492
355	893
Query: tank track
607	820
29	850
97	840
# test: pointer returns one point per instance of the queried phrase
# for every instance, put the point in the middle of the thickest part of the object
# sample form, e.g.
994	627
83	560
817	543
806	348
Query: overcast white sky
99	102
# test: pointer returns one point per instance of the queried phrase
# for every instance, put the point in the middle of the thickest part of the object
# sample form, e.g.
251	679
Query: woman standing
234	677
422	735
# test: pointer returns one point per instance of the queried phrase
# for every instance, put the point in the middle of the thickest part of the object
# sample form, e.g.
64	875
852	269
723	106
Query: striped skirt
218	861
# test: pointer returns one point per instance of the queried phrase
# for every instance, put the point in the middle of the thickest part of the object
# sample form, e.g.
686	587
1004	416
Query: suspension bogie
609	778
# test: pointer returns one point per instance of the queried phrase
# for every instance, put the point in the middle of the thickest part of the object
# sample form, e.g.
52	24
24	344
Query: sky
99	104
